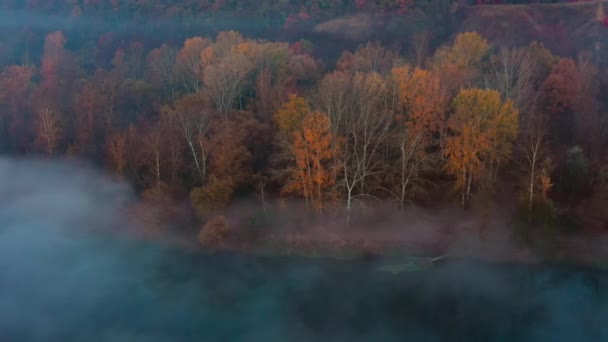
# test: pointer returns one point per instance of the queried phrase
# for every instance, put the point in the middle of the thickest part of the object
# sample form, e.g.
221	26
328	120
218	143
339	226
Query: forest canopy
418	117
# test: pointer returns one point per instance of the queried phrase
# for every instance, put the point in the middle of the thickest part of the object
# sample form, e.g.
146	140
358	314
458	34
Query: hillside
564	28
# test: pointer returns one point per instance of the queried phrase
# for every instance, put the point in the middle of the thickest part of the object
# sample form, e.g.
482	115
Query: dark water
61	281
131	292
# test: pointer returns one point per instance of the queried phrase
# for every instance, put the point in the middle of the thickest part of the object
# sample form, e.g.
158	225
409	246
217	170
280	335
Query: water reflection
138	292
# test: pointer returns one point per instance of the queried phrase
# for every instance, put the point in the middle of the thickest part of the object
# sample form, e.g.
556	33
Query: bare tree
161	68
48	127
223	80
369	57
364	130
412	162
420	43
151	152
532	148
193	119
335	97
188	66
513	73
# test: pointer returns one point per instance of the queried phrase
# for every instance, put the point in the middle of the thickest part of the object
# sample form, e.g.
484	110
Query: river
119	291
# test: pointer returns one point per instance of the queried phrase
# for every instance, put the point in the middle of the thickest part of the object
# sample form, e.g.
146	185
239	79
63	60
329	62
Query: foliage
211	198
575	174
560	92
215	232
200	115
459	63
425	102
289	118
481	130
541	225
314	153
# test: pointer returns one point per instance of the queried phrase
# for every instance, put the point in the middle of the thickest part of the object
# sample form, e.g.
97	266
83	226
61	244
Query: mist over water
66	275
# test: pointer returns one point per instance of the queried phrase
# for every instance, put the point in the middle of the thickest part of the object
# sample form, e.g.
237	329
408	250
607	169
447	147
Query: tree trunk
469	181
348	205
157	169
531	189
464	188
196	163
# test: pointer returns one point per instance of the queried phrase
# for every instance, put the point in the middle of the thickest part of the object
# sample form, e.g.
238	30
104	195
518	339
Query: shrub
211	198
215	232
542	222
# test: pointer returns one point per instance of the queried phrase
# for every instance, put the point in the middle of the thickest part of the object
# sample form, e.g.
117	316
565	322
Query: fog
70	271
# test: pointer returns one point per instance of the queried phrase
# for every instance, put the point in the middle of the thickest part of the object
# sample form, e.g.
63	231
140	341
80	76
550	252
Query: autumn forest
197	125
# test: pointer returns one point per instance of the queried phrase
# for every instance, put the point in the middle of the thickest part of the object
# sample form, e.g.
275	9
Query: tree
215	232
543	60
574	176
223	80
303	68
467	51
370	57
173	144
54	55
533	148
425	103
15	87
416	129
513	72
481	129
151	150
228	155
459	64
587	118
161	71
192	117
225	43
314	154
48	130
335	96
116	153
363	130
211	198
420	42
360	109
87	102
289	118
266	94
15	82
108	85
560	92
188	66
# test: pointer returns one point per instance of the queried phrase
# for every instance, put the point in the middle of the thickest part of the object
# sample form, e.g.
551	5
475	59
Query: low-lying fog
65	275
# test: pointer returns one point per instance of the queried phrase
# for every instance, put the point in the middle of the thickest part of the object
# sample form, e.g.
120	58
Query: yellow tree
482	129
459	64
468	49
289	118
313	151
